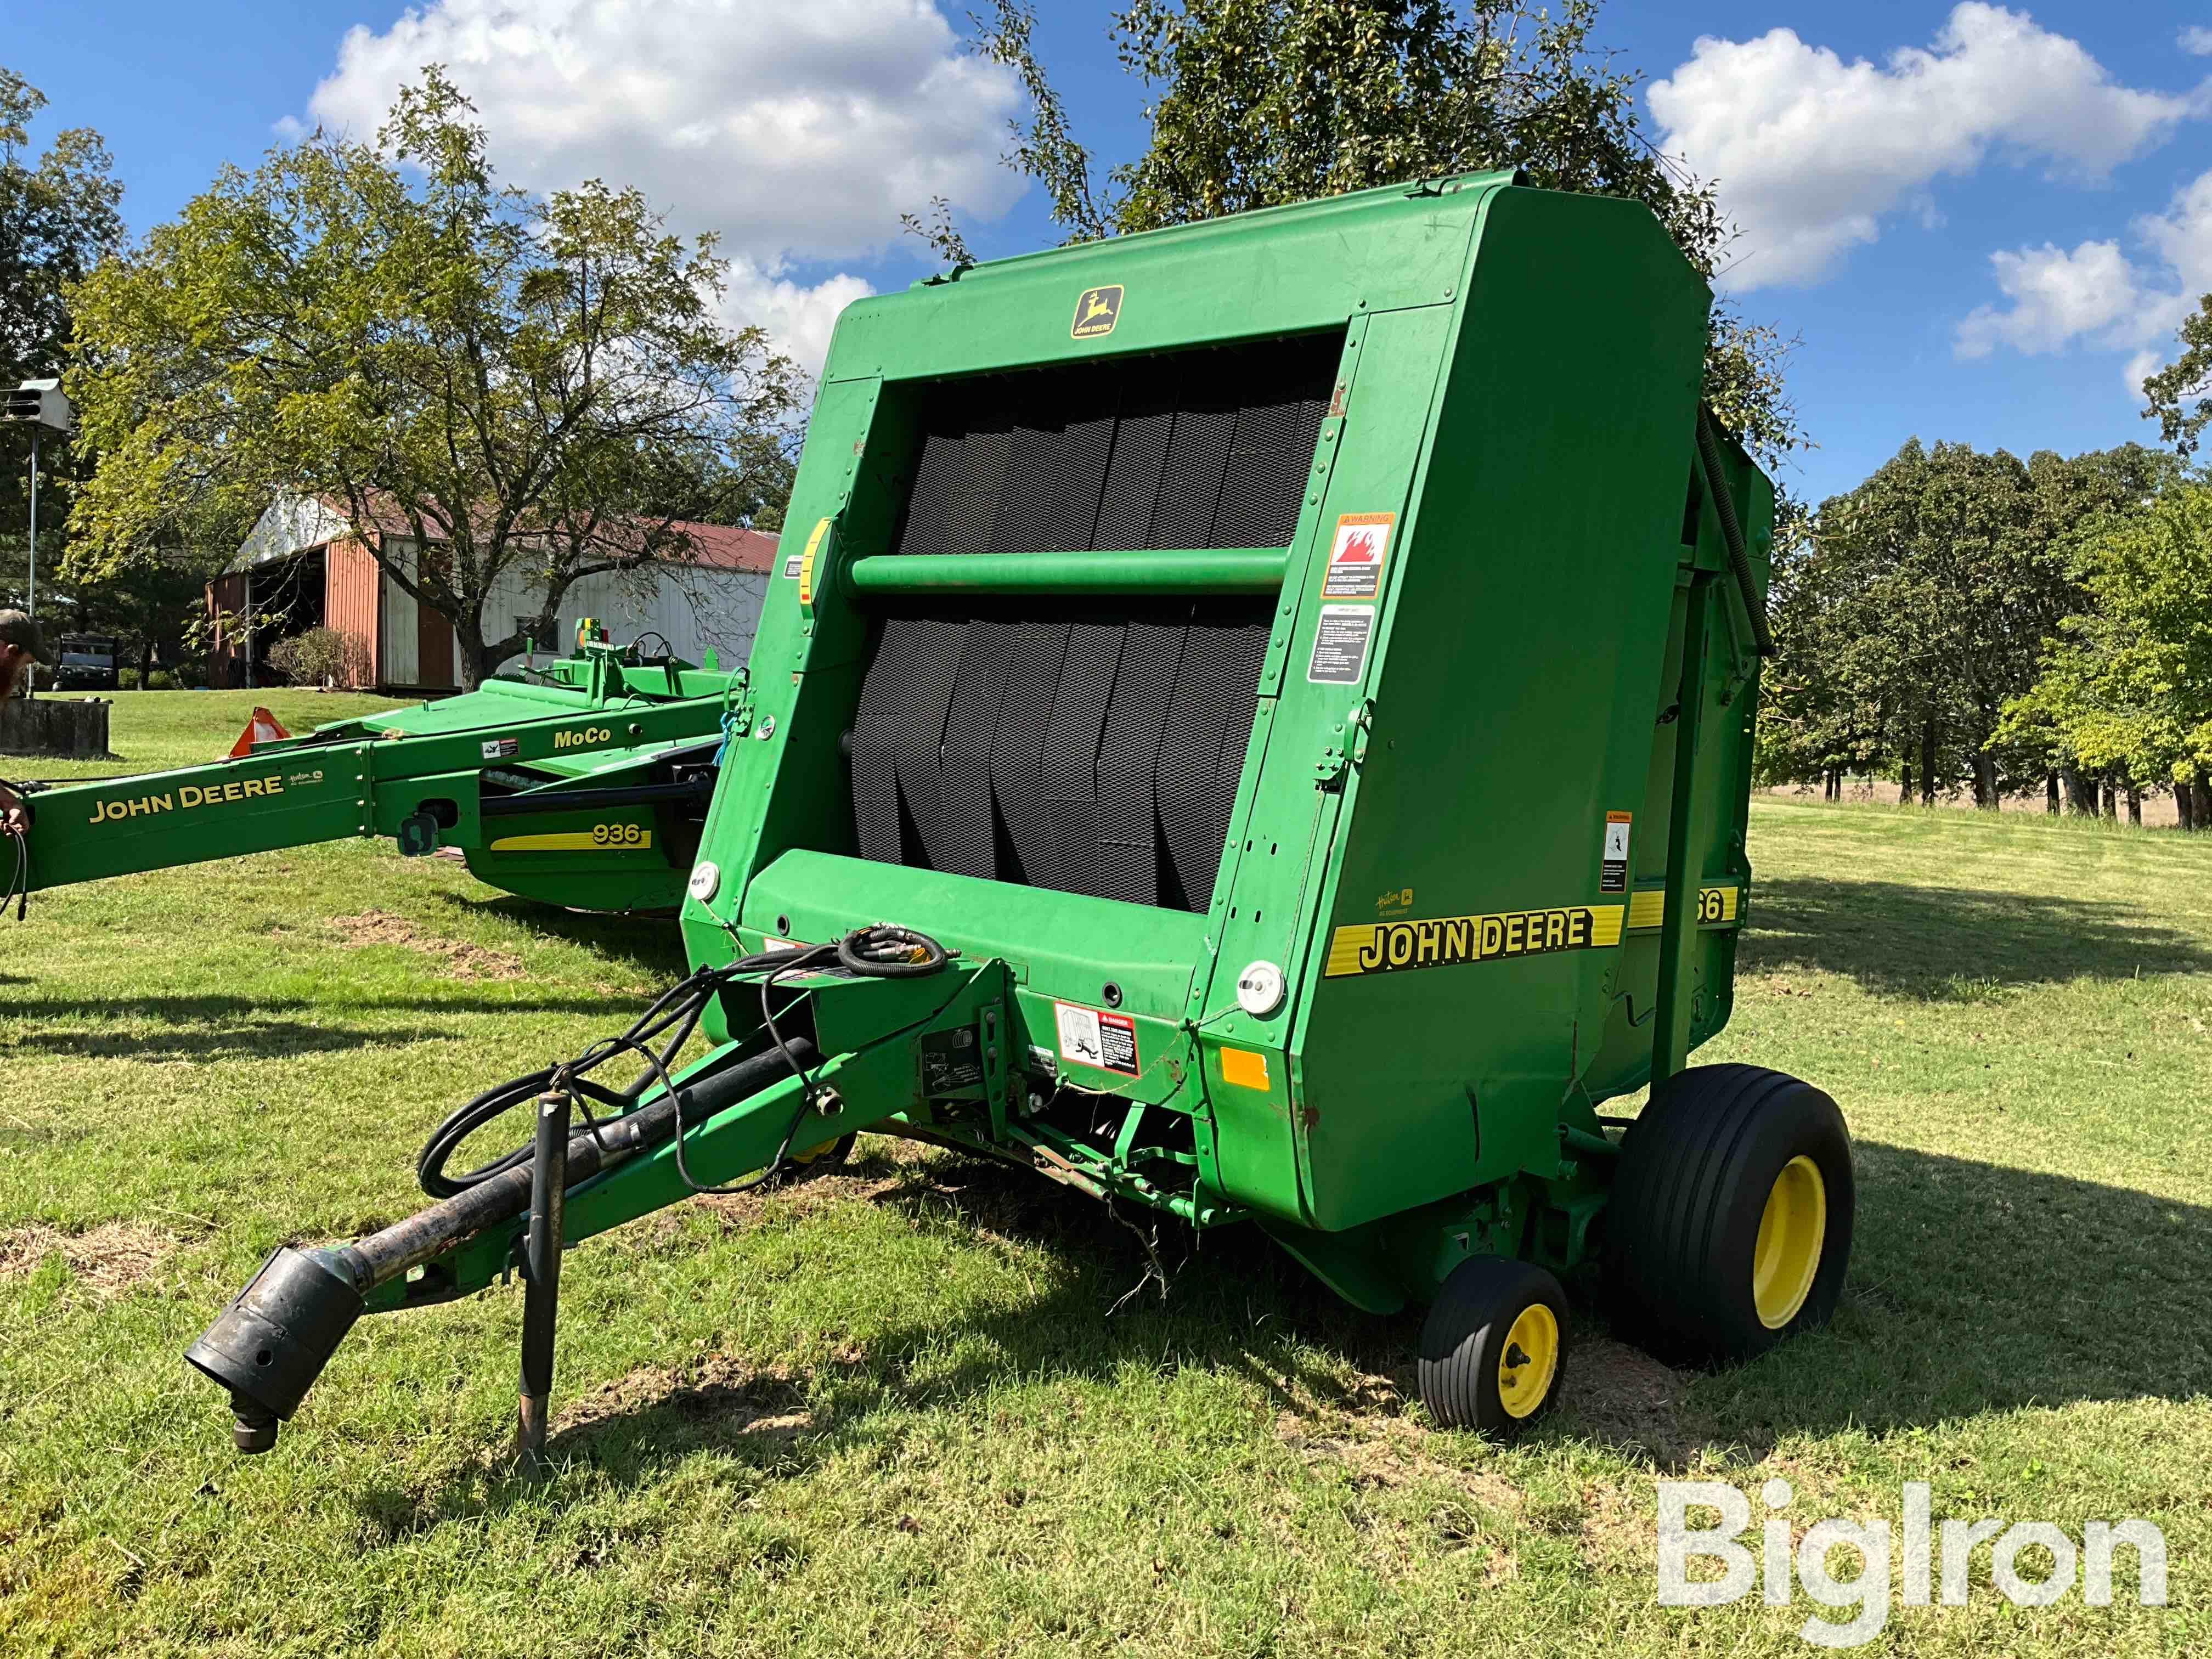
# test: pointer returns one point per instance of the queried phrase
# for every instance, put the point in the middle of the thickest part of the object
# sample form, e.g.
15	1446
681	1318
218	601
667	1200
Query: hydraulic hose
1738	556
657	1038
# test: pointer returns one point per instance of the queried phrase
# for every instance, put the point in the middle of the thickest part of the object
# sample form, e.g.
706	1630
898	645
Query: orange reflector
1244	1068
264	727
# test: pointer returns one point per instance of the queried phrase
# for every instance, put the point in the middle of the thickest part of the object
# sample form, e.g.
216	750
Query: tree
536	388
2127	684
2189	375
1919	606
58	218
1256	103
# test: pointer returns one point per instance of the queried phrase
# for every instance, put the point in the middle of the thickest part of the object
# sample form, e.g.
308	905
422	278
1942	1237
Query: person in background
21	645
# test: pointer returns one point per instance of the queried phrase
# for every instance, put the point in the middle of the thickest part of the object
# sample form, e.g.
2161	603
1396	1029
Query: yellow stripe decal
1451	941
1647	909
571	841
806	563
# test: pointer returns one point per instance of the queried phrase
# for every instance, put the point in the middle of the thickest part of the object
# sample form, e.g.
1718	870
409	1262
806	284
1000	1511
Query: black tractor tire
1729	1225
1475	1372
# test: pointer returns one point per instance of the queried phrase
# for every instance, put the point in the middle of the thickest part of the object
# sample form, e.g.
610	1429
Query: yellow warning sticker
1384	947
1648	909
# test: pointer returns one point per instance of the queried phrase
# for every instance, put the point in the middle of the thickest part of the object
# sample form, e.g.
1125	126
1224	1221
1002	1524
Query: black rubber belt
1096	756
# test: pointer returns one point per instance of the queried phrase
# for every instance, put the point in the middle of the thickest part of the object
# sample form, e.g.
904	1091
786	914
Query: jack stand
541	1273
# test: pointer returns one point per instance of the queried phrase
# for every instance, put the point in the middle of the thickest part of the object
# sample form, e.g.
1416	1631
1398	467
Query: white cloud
1811	153
798	131
2096	295
2056	295
2198	40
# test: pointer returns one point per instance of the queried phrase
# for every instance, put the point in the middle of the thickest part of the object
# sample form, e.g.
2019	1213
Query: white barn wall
697	610
399	659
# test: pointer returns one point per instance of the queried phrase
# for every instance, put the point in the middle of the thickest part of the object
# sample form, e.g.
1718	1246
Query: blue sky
1975	243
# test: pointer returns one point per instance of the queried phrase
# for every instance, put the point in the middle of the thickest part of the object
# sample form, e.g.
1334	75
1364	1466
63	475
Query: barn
304	563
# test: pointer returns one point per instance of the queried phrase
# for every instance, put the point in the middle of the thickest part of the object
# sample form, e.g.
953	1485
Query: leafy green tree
2182	421
1253	103
58	218
2127	685
1917	609
536	388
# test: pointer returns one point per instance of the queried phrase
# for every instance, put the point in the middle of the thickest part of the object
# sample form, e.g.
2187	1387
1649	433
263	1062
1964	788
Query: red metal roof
729	547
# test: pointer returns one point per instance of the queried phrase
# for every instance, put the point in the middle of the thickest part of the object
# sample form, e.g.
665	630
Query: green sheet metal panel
1516	685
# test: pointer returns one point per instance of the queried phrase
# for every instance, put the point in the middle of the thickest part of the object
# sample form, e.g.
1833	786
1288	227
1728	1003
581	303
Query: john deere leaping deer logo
1096	313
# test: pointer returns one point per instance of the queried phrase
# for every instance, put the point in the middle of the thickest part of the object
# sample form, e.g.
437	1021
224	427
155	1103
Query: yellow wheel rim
1791	1233
1529	1362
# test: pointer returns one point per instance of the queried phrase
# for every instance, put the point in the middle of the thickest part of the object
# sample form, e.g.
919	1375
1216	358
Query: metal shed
306	557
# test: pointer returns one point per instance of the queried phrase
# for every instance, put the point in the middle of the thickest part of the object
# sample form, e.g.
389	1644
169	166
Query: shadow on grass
647	942
1975	1289
1948	944
237	1027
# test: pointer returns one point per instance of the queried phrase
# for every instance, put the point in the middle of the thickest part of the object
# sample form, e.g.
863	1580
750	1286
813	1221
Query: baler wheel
1494	1346
823	1160
1730	1223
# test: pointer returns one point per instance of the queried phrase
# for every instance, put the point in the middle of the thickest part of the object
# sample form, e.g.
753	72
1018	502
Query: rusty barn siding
352	597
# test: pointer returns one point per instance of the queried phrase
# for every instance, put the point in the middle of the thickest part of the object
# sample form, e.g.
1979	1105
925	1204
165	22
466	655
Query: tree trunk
1986	781
2050	793
1904	778
2202	794
1928	764
2134	803
2112	799
2081	793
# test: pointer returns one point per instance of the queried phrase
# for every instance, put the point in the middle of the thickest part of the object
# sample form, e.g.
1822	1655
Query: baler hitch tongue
271	1343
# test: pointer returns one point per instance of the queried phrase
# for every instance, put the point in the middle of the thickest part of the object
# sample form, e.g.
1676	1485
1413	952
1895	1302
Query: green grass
162	729
888	1412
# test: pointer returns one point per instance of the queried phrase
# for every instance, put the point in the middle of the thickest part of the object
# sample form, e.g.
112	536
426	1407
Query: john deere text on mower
583	782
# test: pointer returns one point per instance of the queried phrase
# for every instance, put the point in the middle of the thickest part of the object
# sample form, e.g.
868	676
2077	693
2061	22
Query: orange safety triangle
264	727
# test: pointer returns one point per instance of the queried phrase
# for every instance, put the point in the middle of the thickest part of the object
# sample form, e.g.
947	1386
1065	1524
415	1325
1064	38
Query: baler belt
1098	755
1203	448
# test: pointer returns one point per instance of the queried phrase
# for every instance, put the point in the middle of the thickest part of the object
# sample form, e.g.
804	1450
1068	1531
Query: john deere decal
1451	941
1096	313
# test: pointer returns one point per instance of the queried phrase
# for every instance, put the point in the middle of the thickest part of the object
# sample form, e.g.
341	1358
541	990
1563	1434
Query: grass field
888	1413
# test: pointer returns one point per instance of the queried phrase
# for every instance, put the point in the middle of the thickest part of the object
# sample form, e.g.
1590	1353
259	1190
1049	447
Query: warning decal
1355	557
1452	941
1613	861
499	748
1092	1036
1339	647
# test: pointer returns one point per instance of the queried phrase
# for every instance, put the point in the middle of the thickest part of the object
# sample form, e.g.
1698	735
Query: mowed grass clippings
888	1412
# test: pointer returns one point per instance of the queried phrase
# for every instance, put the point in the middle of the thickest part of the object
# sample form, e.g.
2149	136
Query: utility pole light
40	405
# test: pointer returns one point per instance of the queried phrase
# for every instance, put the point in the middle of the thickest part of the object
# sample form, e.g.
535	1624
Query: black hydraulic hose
656	1036
1708	455
429	1233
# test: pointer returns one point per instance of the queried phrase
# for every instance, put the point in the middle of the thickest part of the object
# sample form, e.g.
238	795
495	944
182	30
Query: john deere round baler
1253	720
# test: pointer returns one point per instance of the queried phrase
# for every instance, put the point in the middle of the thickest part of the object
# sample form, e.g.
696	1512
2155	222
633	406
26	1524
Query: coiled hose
656	1036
